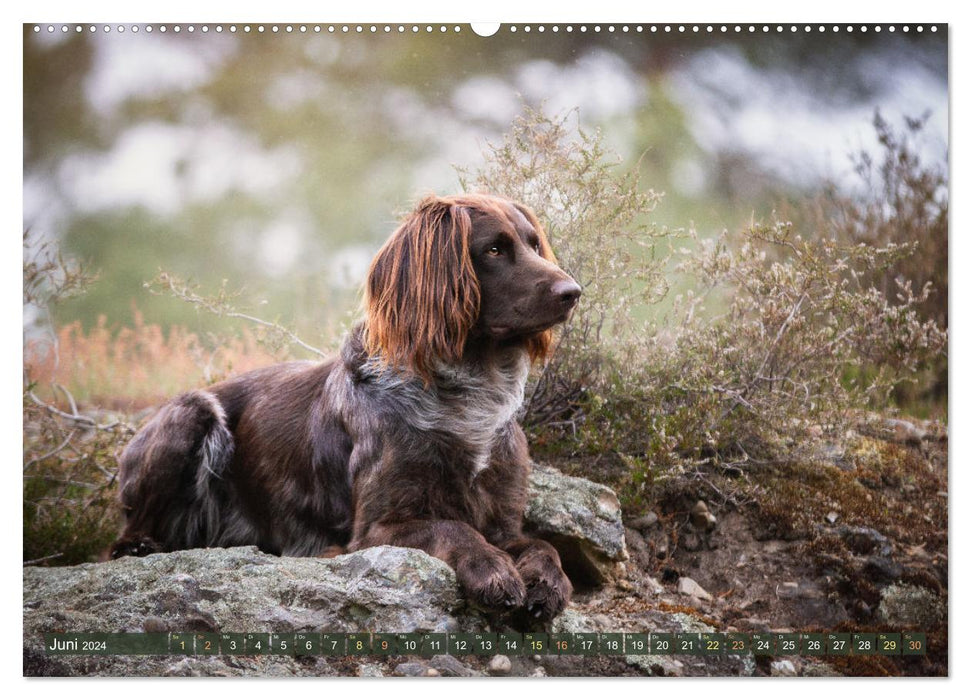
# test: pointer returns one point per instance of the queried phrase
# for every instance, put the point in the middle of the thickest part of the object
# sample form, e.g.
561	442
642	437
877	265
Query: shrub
777	335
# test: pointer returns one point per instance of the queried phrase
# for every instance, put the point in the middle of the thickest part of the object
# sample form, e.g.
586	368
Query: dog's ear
422	294
539	346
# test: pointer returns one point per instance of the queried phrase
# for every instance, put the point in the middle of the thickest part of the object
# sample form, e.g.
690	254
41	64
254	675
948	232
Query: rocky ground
845	537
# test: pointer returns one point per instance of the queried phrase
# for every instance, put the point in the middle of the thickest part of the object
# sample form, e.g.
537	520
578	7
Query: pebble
832	516
701	517
644	522
411	669
906	432
499	665
783	668
690	587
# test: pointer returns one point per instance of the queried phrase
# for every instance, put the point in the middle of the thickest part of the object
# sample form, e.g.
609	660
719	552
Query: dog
408	438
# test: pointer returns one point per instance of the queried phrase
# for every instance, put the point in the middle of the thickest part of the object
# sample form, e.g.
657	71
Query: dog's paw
491	582
547	594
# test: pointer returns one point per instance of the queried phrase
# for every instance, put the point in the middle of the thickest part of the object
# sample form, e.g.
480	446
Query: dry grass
130	368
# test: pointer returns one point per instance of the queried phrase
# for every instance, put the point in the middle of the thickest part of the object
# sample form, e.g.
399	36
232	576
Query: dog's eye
494	251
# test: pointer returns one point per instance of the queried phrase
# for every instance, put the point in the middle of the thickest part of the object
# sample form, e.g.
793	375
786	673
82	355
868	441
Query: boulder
583	521
386	589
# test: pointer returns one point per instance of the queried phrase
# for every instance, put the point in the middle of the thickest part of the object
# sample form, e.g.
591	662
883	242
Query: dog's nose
567	291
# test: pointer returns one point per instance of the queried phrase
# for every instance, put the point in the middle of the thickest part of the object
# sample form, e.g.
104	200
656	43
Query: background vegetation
740	304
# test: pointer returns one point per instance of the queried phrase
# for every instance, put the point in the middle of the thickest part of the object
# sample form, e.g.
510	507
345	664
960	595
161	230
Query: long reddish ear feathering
422	294
540	346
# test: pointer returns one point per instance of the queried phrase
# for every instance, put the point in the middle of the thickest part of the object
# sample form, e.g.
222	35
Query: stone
904	431
391	589
499	665
411	669
690	587
582	519
905	605
450	667
701	517
644	522
864	540
783	668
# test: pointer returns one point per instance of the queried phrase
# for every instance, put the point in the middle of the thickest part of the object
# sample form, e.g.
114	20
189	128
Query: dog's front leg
486	573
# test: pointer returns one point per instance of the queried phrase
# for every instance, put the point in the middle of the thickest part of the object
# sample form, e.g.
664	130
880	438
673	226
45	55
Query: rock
390	589
832	517
787	589
499	665
411	669
644	522
538	672
701	518
904	431
370	671
689	587
904	605
450	667
583	521
882	570
660	665
864	540
783	668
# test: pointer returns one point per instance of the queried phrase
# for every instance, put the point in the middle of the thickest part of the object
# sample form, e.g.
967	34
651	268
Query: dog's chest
466	410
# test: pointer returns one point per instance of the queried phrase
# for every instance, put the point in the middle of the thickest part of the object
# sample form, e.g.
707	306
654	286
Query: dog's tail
171	476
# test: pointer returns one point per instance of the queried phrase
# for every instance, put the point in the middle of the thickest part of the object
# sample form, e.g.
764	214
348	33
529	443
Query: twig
53	452
76	417
37	561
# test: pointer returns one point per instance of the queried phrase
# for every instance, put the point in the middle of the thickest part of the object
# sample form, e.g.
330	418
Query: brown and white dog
408	438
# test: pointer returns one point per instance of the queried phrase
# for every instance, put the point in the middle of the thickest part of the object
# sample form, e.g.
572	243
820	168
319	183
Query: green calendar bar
358	644
282	644
433	643
839	643
409	644
738	643
586	643
662	643
230	643
813	644
913	643
332	645
486	644
763	644
510	644
104	643
810	644
687	643
536	643
181	643
712	643
563	644
889	644
461	644
787	644
611	643
864	643
637	644
384	644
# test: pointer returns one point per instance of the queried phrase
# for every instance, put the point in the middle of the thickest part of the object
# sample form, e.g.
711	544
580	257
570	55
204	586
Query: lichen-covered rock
582	519
390	589
904	605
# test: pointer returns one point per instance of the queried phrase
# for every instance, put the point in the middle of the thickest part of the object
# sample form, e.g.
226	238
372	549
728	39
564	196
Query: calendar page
523	349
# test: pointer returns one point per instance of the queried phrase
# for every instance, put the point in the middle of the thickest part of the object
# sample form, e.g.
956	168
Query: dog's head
464	269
